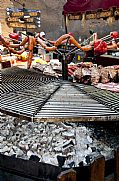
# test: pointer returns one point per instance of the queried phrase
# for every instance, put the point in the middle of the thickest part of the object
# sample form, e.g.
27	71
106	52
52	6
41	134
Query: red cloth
76	6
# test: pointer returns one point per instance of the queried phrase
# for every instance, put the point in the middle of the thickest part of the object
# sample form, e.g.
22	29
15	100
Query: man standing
42	51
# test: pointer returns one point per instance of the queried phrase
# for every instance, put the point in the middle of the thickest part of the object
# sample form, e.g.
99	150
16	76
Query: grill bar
69	102
107	98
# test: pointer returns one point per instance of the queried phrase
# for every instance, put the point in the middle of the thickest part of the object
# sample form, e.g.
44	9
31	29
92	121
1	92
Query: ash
60	144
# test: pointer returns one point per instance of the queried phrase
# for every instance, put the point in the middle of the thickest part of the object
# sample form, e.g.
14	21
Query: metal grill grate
69	102
28	94
107	98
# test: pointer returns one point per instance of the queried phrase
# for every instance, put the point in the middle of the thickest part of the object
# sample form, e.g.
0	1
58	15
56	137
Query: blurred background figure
42	34
41	50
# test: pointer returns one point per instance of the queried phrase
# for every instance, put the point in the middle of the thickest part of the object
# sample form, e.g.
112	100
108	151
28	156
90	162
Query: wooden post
116	174
68	175
97	169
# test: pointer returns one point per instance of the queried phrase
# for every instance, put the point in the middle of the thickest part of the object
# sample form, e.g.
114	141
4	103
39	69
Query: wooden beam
116	154
65	24
97	169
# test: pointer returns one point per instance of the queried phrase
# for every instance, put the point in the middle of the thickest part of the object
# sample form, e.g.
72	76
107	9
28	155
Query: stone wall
52	20
102	27
4	29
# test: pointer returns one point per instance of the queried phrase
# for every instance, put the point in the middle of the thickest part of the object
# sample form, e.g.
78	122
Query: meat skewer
99	45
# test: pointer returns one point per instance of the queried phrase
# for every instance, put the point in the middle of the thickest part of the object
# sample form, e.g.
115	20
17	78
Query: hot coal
61	144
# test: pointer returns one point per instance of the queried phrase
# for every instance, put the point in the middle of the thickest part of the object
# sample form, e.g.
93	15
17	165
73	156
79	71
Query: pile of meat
89	73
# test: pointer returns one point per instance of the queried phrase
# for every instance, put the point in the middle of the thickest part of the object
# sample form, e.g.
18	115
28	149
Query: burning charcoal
34	146
65	145
61	160
81	164
69	124
19	152
88	150
65	125
70	143
13	156
71	164
87	159
4	149
93	149
2	138
89	139
68	134
98	151
12	152
34	158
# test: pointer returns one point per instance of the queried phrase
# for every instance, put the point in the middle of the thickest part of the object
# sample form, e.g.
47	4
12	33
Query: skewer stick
44	39
106	37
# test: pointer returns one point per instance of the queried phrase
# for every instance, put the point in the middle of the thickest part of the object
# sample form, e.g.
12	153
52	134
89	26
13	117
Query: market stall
81	15
77	6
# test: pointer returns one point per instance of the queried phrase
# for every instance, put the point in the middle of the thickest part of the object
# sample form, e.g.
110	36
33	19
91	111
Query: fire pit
41	151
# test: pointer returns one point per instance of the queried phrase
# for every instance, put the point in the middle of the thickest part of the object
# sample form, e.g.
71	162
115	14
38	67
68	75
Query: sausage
60	40
19	52
52	48
4	42
25	40
86	48
41	43
30	43
83	48
51	42
113	46
14	45
74	42
49	49
30	48
34	41
29	61
21	44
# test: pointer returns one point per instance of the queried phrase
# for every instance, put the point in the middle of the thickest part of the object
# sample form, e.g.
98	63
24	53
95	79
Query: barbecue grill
31	95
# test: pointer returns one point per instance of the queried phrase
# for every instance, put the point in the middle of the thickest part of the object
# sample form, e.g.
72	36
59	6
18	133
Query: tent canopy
81	6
